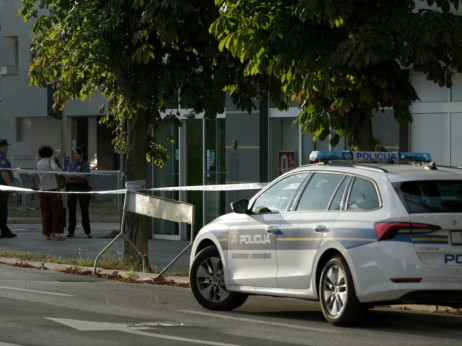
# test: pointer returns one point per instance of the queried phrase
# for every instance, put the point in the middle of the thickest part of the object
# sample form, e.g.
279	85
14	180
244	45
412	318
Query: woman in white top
51	202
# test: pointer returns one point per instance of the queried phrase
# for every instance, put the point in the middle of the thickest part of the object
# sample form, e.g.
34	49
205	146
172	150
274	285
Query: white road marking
251	320
106	326
34	291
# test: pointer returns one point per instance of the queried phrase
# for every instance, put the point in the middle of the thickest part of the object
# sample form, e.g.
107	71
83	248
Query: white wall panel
427	90
456	139
456	90
431	133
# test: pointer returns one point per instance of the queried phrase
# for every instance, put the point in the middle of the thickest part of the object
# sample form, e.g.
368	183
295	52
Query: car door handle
271	229
320	228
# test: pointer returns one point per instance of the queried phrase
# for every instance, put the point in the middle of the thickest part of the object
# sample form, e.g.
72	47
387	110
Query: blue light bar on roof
324	155
418	157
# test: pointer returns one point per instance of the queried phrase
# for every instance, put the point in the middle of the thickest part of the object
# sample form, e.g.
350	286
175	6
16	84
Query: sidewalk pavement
161	252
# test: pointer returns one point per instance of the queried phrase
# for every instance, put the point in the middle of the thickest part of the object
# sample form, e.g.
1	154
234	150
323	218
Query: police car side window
277	198
336	203
318	193
363	195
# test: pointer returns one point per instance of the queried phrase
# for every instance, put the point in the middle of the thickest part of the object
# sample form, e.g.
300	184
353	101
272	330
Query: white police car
351	235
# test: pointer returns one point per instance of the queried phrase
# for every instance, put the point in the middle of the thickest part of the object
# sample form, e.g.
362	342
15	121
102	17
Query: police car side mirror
240	206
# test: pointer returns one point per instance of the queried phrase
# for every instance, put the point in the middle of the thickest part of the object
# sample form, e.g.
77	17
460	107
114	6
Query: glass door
194	166
215	170
167	176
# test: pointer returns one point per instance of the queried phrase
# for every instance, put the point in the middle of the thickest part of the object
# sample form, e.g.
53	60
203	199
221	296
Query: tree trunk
365	138
135	171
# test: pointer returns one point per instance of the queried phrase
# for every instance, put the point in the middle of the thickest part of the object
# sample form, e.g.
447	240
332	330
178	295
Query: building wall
437	120
20	101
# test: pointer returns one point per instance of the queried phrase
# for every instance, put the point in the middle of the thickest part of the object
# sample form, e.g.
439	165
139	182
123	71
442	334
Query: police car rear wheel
208	284
339	303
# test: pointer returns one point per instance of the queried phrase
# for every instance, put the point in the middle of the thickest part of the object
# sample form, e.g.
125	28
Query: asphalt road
52	308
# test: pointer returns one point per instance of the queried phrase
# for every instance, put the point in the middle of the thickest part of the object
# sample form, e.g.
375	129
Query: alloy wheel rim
334	290
210	280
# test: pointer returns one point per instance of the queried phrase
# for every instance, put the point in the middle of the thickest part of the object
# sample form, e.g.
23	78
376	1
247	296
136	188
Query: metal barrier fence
163	208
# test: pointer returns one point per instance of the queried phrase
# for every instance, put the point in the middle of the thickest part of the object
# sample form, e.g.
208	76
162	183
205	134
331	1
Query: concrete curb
60	267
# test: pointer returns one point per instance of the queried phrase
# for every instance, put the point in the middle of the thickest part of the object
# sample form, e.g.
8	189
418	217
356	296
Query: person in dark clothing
6	178
78	182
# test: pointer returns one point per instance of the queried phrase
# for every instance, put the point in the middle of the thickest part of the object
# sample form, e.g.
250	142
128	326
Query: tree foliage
138	54
344	60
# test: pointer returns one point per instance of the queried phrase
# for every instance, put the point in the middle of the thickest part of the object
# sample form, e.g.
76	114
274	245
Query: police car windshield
431	196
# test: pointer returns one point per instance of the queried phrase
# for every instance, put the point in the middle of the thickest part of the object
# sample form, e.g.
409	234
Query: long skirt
51	205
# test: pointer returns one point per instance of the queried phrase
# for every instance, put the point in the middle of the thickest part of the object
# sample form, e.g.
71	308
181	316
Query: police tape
136	185
36	171
210	188
223	187
25	190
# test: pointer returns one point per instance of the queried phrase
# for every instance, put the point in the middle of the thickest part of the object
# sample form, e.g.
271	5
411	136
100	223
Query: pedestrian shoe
89	236
8	235
70	236
56	237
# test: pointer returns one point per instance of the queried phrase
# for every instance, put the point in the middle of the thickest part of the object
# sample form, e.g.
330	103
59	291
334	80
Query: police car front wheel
339	303
208	284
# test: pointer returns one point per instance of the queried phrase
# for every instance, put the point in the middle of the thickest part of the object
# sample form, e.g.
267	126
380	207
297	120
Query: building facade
24	109
236	147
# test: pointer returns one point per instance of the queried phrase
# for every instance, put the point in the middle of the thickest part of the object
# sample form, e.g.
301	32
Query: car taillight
388	230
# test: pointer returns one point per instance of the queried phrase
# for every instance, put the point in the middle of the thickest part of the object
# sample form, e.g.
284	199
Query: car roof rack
354	157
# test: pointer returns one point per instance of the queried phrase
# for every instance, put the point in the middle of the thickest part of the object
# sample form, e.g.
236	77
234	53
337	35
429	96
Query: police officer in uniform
78	182
6	178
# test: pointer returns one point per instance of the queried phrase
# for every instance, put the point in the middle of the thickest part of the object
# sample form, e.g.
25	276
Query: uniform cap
3	142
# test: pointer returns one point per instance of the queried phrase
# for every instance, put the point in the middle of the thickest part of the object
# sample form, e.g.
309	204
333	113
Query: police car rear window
431	196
